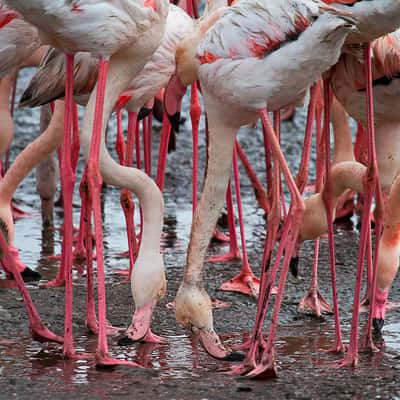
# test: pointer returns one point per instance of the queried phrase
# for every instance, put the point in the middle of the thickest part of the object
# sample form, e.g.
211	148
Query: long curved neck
220	152
343	150
387	141
31	156
120	73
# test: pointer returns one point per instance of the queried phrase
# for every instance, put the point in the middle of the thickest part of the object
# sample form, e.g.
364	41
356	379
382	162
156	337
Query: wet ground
179	369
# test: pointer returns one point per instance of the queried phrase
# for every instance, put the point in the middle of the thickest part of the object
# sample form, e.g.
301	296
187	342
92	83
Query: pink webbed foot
243	283
105	361
230	256
92	325
315	303
42	334
338	347
351	360
219	237
58	282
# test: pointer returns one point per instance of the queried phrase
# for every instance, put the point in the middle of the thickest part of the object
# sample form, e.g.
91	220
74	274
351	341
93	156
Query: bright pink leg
76	143
120	142
38	331
245	282
95	181
234	251
263	365
162	155
327	197
149	141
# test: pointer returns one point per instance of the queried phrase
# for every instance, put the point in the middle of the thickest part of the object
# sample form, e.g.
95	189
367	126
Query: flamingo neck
220	151
36	151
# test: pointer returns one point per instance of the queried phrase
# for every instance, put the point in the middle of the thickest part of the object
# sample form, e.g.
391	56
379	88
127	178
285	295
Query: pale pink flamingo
49	83
349	87
102	28
374	19
242	41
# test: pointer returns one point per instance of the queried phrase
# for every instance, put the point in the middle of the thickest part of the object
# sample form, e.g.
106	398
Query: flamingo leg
313	300
162	157
120	142
234	251
245	282
149	140
264	366
94	184
38	331
327	198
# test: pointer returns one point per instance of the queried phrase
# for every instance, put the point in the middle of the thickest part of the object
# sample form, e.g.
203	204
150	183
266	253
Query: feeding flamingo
105	28
232	47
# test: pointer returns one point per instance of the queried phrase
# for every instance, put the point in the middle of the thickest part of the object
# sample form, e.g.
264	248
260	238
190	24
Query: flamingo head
173	95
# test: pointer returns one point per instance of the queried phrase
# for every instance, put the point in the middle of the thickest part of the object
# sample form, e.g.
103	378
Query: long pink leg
145	136
327	198
149	140
162	155
313	300
245	282
371	185
195	114
76	144
266	366
259	191
234	251
120	142
95	181
67	184
38	331
138	165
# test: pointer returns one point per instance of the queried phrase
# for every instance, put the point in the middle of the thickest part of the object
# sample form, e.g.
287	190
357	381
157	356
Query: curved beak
173	95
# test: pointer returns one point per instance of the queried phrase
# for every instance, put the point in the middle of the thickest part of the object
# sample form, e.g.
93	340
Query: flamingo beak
173	95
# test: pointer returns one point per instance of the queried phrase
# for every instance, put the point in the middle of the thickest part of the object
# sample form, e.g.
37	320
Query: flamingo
349	86
238	42
105	28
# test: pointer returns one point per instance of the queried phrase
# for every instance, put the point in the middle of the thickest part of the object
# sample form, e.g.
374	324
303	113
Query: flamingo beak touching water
173	95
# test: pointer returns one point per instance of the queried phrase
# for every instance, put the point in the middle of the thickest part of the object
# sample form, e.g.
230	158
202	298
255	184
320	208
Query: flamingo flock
245	60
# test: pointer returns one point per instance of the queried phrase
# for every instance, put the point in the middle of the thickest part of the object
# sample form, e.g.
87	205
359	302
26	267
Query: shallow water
179	368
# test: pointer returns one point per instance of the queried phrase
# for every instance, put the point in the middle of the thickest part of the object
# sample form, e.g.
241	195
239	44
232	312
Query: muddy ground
179	369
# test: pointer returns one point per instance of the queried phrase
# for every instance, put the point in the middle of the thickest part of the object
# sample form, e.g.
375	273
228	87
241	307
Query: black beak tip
294	266
175	120
143	113
378	325
125	341
235	357
30	275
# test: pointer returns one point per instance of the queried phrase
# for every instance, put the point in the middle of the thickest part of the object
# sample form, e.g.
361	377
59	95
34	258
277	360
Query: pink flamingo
102	28
234	45
349	87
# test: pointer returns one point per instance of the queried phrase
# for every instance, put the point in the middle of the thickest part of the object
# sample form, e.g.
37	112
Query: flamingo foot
338	347
230	256
105	361
219	237
92	325
58	282
71	355
315	303
243	283
350	360
122	272
42	334
150	337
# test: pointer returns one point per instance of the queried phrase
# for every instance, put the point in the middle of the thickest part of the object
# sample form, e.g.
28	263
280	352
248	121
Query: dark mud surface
179	369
